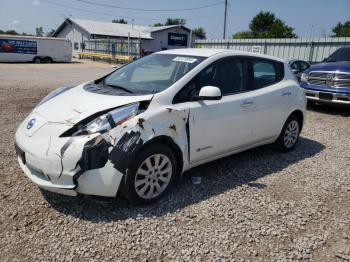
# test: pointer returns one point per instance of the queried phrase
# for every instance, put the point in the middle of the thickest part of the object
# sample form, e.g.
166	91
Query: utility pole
225	19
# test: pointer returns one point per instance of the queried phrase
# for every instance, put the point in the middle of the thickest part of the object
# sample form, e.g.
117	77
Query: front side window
227	74
265	73
153	73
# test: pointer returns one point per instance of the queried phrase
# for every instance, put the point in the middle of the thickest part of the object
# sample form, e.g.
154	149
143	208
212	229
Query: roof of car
207	52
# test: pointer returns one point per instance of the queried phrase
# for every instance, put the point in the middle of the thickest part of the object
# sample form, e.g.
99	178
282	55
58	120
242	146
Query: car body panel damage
125	149
129	139
95	154
106	157
93	170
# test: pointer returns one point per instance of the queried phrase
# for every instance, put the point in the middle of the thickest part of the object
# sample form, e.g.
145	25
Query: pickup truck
329	82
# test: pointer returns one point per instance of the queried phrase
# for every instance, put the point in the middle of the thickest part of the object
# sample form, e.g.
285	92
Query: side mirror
325	59
209	93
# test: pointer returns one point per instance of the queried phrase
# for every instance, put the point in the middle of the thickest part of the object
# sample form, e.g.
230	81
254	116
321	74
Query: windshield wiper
119	87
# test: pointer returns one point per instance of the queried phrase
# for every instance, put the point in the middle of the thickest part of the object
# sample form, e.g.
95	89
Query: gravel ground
259	205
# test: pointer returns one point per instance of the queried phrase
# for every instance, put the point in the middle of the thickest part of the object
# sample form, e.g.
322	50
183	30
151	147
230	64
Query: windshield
152	74
342	54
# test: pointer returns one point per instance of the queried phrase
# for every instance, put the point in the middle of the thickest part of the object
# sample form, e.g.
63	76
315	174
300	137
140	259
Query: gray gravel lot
259	205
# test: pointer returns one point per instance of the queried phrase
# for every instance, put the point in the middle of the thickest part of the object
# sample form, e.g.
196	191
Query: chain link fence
115	47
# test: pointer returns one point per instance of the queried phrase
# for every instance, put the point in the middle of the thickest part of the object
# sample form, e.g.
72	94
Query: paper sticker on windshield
185	59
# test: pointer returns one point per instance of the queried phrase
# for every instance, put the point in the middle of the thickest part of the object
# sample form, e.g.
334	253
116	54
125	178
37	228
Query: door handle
247	103
287	93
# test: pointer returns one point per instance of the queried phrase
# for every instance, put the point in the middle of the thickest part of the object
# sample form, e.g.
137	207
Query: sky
309	17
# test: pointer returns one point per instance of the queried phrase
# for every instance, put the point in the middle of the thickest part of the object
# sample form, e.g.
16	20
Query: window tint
265	72
299	65
228	75
342	54
303	65
295	66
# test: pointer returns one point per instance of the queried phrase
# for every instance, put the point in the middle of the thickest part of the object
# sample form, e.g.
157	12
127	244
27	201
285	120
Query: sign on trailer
17	46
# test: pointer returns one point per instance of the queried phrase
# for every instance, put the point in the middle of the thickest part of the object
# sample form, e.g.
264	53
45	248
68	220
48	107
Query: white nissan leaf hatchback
137	129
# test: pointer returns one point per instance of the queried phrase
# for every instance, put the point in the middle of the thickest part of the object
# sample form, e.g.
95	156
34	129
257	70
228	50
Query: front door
220	126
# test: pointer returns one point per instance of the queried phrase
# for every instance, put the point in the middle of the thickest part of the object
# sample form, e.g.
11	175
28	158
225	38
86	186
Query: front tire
289	135
150	175
37	60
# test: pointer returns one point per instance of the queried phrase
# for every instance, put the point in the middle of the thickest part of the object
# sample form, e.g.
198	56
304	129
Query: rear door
272	98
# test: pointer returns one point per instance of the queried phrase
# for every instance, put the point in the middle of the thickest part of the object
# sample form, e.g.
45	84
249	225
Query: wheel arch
300	115
168	141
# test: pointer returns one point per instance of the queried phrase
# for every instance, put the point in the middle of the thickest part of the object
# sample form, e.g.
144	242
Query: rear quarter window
266	72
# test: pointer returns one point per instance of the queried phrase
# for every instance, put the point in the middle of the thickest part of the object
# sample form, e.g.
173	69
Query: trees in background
9	32
39	31
266	25
50	33
158	24
342	29
172	21
199	32
175	21
120	21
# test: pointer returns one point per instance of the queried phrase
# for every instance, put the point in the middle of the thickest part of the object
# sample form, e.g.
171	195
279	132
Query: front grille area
336	80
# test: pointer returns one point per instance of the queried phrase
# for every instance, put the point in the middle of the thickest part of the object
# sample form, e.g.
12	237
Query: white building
153	39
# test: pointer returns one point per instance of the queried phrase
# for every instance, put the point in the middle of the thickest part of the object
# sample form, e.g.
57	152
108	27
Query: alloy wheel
153	176
291	134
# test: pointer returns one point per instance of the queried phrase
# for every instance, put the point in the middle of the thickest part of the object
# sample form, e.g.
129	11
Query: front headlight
109	120
304	77
54	93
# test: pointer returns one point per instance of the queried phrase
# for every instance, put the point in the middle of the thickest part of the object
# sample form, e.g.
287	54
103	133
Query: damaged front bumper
67	165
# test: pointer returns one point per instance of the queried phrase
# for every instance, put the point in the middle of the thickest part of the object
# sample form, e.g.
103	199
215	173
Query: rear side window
266	72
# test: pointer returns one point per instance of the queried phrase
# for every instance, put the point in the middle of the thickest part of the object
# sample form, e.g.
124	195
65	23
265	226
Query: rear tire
289	135
150	176
48	60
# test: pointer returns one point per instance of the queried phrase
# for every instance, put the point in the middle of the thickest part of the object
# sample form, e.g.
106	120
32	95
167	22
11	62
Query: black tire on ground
289	135
127	186
37	60
48	60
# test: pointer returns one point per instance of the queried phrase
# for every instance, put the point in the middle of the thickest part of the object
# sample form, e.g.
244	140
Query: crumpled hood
343	66
76	104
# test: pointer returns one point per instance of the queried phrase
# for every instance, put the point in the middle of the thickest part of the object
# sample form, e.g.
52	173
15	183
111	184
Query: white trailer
34	49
